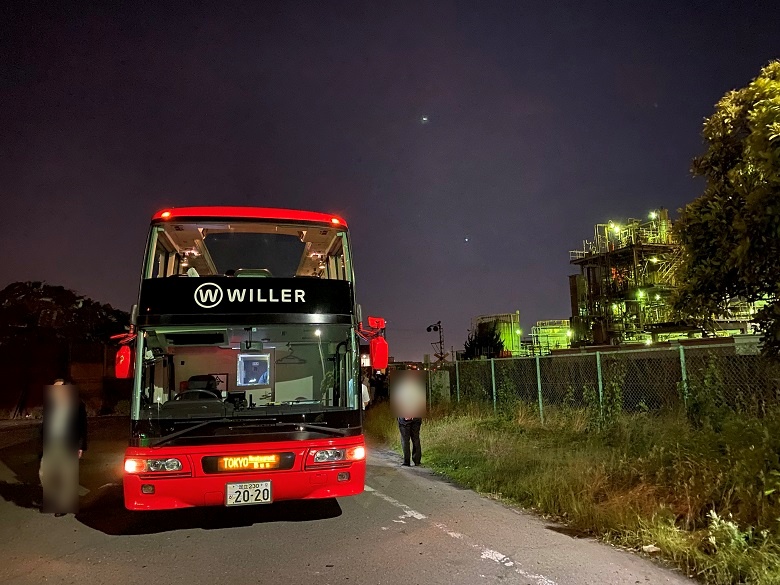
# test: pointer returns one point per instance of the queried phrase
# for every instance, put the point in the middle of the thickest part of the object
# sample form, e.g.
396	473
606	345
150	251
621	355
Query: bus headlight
356	453
329	456
321	456
135	465
152	465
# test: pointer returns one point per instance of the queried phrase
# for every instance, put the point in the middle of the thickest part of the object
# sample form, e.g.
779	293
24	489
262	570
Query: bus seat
206	382
253	272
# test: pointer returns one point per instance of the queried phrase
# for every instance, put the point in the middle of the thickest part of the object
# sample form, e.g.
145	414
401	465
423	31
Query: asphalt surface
409	527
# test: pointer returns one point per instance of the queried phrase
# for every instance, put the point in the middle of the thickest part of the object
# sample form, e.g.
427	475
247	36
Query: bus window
247	249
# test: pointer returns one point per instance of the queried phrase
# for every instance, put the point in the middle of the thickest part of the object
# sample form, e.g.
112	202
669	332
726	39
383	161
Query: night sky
469	145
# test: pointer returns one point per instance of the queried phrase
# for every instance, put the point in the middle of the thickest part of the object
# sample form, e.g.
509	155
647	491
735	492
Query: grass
708	499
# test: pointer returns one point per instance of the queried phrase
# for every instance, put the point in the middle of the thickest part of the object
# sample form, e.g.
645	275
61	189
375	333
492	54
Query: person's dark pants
410	429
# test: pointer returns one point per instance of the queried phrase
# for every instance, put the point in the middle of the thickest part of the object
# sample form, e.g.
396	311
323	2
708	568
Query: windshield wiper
259	423
317	428
181	432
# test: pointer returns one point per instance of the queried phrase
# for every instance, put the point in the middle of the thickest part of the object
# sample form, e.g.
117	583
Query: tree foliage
484	340
34	310
731	233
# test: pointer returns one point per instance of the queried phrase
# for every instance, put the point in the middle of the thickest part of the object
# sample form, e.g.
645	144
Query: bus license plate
244	494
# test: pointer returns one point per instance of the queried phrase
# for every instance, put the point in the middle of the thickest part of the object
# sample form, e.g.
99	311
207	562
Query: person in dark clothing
63	442
407	394
410	430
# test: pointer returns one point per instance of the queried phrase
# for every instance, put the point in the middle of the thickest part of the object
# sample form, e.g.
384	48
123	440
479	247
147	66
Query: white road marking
408	511
442	527
485	553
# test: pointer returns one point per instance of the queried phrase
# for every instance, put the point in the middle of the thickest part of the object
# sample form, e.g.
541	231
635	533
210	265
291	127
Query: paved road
408	527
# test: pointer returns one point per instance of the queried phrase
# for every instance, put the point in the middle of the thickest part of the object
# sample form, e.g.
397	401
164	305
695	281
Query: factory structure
545	337
623	292
620	296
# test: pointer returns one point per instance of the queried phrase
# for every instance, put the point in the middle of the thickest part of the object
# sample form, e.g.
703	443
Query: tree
731	233
484	340
32	310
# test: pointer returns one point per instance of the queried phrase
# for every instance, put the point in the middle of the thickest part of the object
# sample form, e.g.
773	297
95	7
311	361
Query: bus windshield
213	372
247	249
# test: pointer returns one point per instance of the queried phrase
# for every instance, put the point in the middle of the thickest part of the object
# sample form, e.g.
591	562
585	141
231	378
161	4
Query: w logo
208	295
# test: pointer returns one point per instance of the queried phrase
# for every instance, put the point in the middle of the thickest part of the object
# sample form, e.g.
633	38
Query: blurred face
60	393
407	394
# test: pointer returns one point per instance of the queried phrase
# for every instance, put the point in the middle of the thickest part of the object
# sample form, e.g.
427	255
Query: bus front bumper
187	492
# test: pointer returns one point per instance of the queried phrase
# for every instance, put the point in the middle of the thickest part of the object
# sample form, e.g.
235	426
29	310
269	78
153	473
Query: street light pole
439	354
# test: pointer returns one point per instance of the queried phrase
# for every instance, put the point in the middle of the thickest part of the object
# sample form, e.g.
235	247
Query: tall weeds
702	485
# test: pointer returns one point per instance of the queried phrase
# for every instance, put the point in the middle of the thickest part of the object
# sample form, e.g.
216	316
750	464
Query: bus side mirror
376	322
379	353
134	315
124	362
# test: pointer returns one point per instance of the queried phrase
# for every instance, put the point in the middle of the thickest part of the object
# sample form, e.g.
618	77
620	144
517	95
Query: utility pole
438	347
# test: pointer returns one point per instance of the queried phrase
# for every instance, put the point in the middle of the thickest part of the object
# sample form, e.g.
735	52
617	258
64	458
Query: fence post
600	382
457	382
493	381
539	389
684	376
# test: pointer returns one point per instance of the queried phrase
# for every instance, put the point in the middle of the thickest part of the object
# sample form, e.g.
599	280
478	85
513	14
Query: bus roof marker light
165	214
335	220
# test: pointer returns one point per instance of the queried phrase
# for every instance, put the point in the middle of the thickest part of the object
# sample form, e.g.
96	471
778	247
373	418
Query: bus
244	354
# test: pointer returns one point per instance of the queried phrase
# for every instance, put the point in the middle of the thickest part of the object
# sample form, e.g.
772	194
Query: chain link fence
644	380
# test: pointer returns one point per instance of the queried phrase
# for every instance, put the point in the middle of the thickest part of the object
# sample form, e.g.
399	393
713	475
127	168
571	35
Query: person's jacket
76	428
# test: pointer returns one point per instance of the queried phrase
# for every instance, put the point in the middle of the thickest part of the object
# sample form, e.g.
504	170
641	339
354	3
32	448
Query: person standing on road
410	430
407	395
64	440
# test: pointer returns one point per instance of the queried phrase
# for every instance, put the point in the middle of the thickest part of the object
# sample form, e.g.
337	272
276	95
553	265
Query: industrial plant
623	293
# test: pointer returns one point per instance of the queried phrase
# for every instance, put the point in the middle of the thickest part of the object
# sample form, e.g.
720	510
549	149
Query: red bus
245	361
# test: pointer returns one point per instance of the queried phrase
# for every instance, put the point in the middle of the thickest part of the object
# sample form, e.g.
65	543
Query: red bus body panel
267	213
193	487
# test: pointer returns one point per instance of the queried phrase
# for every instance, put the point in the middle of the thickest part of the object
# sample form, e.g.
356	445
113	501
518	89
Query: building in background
550	335
623	293
508	327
